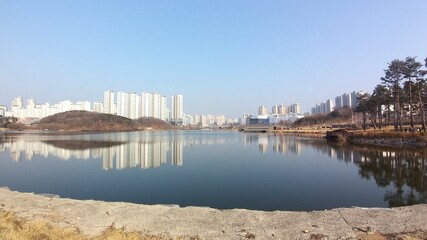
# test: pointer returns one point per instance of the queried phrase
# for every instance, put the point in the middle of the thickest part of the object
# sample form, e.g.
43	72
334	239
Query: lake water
216	169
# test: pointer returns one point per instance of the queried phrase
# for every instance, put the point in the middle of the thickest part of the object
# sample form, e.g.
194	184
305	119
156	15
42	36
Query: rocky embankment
389	139
381	139
171	222
389	142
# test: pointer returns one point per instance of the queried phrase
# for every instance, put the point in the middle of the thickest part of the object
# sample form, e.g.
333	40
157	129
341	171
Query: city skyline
133	106
220	55
125	104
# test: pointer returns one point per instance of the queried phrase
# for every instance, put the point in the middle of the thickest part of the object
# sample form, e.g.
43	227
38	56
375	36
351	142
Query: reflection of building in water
128	155
136	154
154	151
177	154
107	155
280	144
263	143
153	154
150	153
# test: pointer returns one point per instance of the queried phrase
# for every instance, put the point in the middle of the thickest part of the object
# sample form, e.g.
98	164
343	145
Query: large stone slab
94	217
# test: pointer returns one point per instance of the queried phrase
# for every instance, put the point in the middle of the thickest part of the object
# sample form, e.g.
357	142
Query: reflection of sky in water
217	169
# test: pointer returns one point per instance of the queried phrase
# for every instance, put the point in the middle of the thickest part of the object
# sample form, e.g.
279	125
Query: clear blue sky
224	56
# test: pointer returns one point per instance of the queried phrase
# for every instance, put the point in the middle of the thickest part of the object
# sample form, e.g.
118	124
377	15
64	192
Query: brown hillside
155	123
86	121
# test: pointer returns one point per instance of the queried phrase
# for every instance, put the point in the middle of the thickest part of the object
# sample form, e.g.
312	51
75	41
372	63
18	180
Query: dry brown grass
15	228
421	136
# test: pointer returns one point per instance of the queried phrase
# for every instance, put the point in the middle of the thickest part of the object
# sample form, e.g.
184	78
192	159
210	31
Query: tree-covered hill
91	121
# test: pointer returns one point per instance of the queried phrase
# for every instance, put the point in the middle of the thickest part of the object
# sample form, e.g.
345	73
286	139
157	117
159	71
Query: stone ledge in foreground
93	217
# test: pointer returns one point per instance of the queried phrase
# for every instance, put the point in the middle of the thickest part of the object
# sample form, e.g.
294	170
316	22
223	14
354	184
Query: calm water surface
216	169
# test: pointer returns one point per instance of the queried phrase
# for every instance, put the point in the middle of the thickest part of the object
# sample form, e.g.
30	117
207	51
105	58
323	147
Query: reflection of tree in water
405	170
402	170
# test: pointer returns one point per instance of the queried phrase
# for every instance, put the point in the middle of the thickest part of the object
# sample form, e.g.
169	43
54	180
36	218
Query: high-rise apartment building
346	100
133	106
329	106
146	104
275	110
128	105
122	104
262	110
163	108
282	110
354	100
153	105
156	105
177	109
294	108
109	106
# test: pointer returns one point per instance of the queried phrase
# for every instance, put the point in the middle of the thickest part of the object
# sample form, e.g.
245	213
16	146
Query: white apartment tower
346	100
329	106
146	105
338	102
177	109
156	105
122	104
275	110
153	105
294	108
109	106
133	107
128	105
262	110
163	108
282	110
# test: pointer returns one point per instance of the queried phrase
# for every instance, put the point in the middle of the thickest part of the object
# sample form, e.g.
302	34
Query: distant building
109	106
126	104
154	105
122	104
346	100
338	102
98	107
177	109
329	106
3	110
282	110
260	119
159	106
262	110
220	120
294	108
275	110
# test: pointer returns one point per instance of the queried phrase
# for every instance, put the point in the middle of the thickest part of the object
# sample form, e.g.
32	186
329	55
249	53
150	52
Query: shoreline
398	140
92	218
